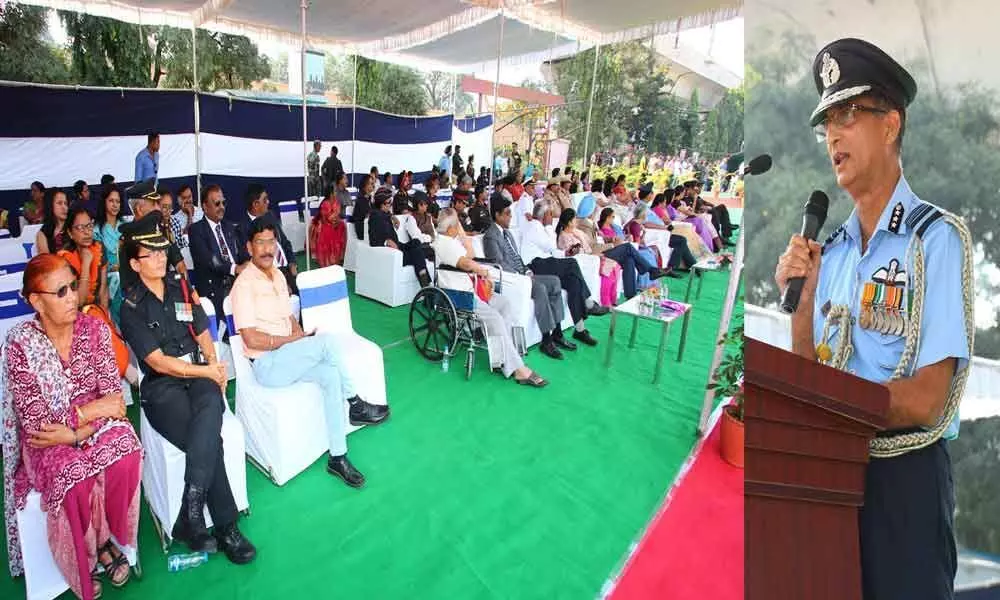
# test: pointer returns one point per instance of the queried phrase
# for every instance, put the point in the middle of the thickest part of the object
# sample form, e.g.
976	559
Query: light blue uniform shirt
845	270
444	165
146	165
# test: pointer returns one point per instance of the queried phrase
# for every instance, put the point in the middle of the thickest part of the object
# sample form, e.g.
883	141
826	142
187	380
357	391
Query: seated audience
540	253
328	233
187	214
106	232
85	257
258	206
720	212
81	196
479	212
546	290
217	249
147	207
382	232
66	434
183	391
343	195
495	312
51	236
460	202
282	354
424	220
166	214
363	205
33	210
696	245
679	210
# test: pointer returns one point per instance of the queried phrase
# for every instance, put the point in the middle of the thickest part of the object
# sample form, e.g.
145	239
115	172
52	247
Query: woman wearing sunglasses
69	438
86	257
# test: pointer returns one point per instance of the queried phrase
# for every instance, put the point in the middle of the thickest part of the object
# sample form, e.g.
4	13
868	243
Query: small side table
698	271
634	309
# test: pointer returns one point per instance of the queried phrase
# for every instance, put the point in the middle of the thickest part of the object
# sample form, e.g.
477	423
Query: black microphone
812	222
758	165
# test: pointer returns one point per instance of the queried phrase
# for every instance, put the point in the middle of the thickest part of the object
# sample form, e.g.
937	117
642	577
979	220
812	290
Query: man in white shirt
540	253
496	316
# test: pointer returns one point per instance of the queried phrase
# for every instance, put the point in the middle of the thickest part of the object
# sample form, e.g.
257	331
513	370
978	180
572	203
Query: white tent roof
447	32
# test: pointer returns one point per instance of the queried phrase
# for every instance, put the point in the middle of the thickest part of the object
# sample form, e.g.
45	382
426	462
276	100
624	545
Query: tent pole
732	296
590	108
354	121
496	86
303	5
197	115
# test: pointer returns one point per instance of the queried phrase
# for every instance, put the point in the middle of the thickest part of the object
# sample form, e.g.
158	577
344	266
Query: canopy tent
393	30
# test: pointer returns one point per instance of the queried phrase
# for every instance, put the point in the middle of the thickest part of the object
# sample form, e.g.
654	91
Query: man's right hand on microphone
801	259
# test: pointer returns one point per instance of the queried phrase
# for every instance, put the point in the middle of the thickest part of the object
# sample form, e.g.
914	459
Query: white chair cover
285	428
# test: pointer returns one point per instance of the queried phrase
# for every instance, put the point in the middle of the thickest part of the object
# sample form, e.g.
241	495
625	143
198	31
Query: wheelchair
444	317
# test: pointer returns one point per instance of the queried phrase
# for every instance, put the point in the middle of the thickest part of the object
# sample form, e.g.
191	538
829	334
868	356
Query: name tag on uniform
184	312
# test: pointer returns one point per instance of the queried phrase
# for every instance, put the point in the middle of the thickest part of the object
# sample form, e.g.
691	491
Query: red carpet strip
693	549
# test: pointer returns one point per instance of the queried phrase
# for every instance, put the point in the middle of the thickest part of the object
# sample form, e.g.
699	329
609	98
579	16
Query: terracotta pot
732	437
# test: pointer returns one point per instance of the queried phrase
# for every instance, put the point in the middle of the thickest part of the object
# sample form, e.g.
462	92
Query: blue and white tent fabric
61	135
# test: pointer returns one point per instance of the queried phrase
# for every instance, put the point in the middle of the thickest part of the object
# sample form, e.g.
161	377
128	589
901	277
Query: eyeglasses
152	253
84	226
62	291
220	202
843	115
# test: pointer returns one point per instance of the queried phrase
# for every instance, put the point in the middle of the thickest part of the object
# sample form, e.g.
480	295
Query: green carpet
476	489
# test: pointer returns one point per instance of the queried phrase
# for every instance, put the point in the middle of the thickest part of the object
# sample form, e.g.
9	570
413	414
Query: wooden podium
806	450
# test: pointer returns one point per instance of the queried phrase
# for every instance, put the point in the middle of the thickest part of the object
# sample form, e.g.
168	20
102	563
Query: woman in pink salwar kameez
66	436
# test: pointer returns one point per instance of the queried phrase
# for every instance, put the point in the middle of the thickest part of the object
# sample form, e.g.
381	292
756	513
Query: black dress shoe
549	349
657	274
598	310
674	274
562	342
363	413
235	545
585	337
341	467
190	525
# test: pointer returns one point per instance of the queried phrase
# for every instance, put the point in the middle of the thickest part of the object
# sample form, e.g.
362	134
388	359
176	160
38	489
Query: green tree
390	88
950	157
279	68
25	55
723	129
224	61
107	52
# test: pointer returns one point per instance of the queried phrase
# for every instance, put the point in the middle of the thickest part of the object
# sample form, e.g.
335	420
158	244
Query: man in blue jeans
283	354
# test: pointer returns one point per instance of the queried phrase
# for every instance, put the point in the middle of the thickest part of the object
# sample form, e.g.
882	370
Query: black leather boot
190	526
234	544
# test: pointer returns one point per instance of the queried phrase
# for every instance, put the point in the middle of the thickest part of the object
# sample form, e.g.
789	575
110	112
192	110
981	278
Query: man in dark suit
258	205
332	168
382	232
546	290
217	249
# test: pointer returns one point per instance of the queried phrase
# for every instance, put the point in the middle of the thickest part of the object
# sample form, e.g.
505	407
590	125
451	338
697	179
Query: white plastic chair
295	230
326	309
285	427
164	463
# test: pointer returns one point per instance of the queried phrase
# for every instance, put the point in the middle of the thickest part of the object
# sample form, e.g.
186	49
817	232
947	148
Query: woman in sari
66	435
573	241
106	232
695	242
328	232
85	256
681	211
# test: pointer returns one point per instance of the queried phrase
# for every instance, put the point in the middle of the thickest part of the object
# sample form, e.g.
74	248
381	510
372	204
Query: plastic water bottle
183	562
444	363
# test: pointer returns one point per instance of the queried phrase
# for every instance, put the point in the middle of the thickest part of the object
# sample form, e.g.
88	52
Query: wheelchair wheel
433	323
470	362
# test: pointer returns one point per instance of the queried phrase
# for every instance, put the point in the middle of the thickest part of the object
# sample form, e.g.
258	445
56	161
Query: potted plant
728	383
